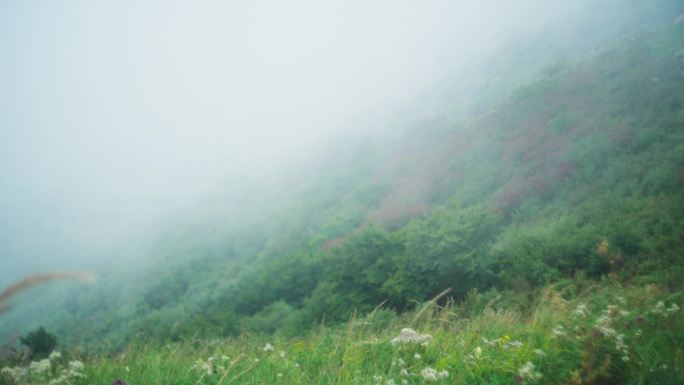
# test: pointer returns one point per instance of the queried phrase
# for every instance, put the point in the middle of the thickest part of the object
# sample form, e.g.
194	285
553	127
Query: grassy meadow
577	331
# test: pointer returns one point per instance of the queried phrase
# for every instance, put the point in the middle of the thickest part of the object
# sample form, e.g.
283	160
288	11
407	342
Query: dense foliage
39	342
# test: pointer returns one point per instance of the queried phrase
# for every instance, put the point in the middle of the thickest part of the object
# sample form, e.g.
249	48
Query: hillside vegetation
539	242
581	171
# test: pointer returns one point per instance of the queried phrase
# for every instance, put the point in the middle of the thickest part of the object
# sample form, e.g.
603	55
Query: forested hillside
578	173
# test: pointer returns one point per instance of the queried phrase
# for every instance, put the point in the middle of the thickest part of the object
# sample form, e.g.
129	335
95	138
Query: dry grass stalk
37	280
430	304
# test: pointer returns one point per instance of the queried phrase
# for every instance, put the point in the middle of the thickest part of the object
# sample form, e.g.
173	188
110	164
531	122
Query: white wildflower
76	366
417	356
443	374
476	354
429	374
55	355
611	310
673	308
580	311
39	367
603	321
620	342
515	344
401	362
377	378
621	346
16	374
268	347
659	308
408	336
559	331
281	354
279	375
603	325
539	352
206	367
527	372
404	372
390	382
59	380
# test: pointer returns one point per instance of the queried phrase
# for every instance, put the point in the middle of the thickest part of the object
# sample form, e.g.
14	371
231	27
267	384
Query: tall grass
573	333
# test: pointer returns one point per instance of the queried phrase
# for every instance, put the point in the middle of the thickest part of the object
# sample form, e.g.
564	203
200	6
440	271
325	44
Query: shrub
40	342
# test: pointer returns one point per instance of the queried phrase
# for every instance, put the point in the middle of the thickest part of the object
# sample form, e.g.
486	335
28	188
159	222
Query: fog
116	114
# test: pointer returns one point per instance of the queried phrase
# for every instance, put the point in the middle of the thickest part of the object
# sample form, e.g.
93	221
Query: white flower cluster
16	375
605	321
219	366
476	354
621	347
659	308
503	342
40	367
580	311
46	371
430	374
204	366
68	375
410	336
559	331
603	324
211	365
528	373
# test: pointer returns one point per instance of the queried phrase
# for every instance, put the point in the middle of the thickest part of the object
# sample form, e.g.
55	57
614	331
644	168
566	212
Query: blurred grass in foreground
574	332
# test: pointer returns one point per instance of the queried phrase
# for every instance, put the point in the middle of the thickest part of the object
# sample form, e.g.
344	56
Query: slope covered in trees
578	173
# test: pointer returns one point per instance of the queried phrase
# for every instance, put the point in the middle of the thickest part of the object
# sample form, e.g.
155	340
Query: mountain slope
580	171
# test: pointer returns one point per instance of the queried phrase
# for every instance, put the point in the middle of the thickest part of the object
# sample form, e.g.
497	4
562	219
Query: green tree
447	249
40	342
356	273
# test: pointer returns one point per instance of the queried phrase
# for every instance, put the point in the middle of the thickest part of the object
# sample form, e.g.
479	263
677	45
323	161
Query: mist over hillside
116	120
233	170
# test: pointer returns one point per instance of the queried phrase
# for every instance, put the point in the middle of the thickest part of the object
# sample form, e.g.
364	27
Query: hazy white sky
115	112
